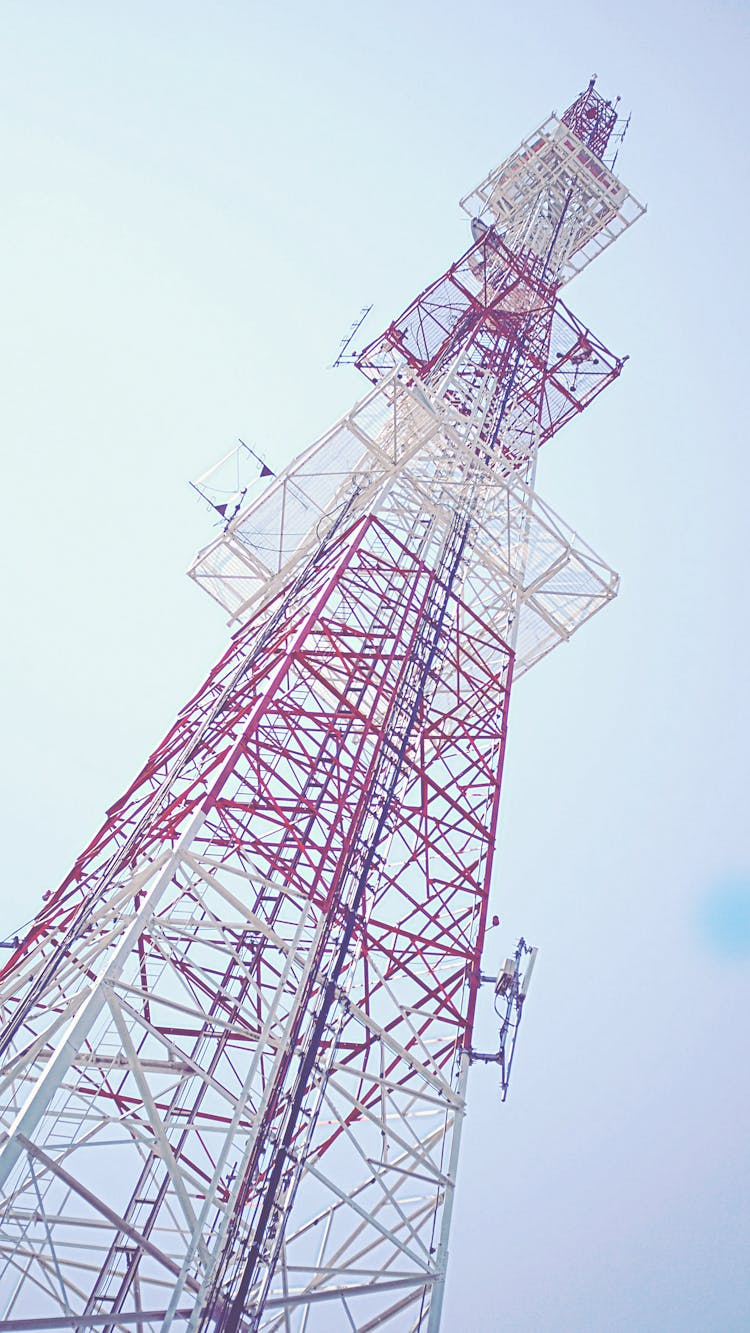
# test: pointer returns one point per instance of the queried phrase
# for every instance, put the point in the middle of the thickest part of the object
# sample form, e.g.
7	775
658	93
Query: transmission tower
236	1040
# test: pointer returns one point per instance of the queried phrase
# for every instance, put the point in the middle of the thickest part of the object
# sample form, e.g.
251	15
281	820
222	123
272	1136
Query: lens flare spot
725	916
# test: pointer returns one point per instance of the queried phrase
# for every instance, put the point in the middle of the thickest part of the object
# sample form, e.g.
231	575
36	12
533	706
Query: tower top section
555	197
592	119
479	370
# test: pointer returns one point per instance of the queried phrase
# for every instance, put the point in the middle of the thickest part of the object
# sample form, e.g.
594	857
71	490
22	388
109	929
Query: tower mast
236	1040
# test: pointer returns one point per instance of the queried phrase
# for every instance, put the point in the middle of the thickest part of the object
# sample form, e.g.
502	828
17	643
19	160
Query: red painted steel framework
236	1039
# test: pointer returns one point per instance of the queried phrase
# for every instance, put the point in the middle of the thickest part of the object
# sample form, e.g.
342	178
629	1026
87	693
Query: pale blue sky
197	201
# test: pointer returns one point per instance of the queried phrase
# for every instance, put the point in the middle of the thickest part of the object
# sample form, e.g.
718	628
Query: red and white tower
236	1040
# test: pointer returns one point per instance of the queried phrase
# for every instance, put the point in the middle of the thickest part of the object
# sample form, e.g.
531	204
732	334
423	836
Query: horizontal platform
553	161
401	456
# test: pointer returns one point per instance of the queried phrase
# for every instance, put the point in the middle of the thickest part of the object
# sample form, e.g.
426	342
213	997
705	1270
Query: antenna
222	488
346	358
511	989
265	470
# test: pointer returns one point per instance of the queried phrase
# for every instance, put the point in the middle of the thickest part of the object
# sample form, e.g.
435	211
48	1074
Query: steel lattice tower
236	1040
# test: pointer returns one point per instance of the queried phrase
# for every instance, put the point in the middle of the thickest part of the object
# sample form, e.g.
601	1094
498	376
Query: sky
197	201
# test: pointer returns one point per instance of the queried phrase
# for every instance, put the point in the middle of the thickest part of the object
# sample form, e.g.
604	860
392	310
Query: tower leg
253	1035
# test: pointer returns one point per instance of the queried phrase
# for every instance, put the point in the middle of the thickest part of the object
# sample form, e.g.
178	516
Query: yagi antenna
345	357
265	470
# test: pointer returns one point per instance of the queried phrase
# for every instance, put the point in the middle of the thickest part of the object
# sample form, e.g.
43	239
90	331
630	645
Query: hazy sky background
197	199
